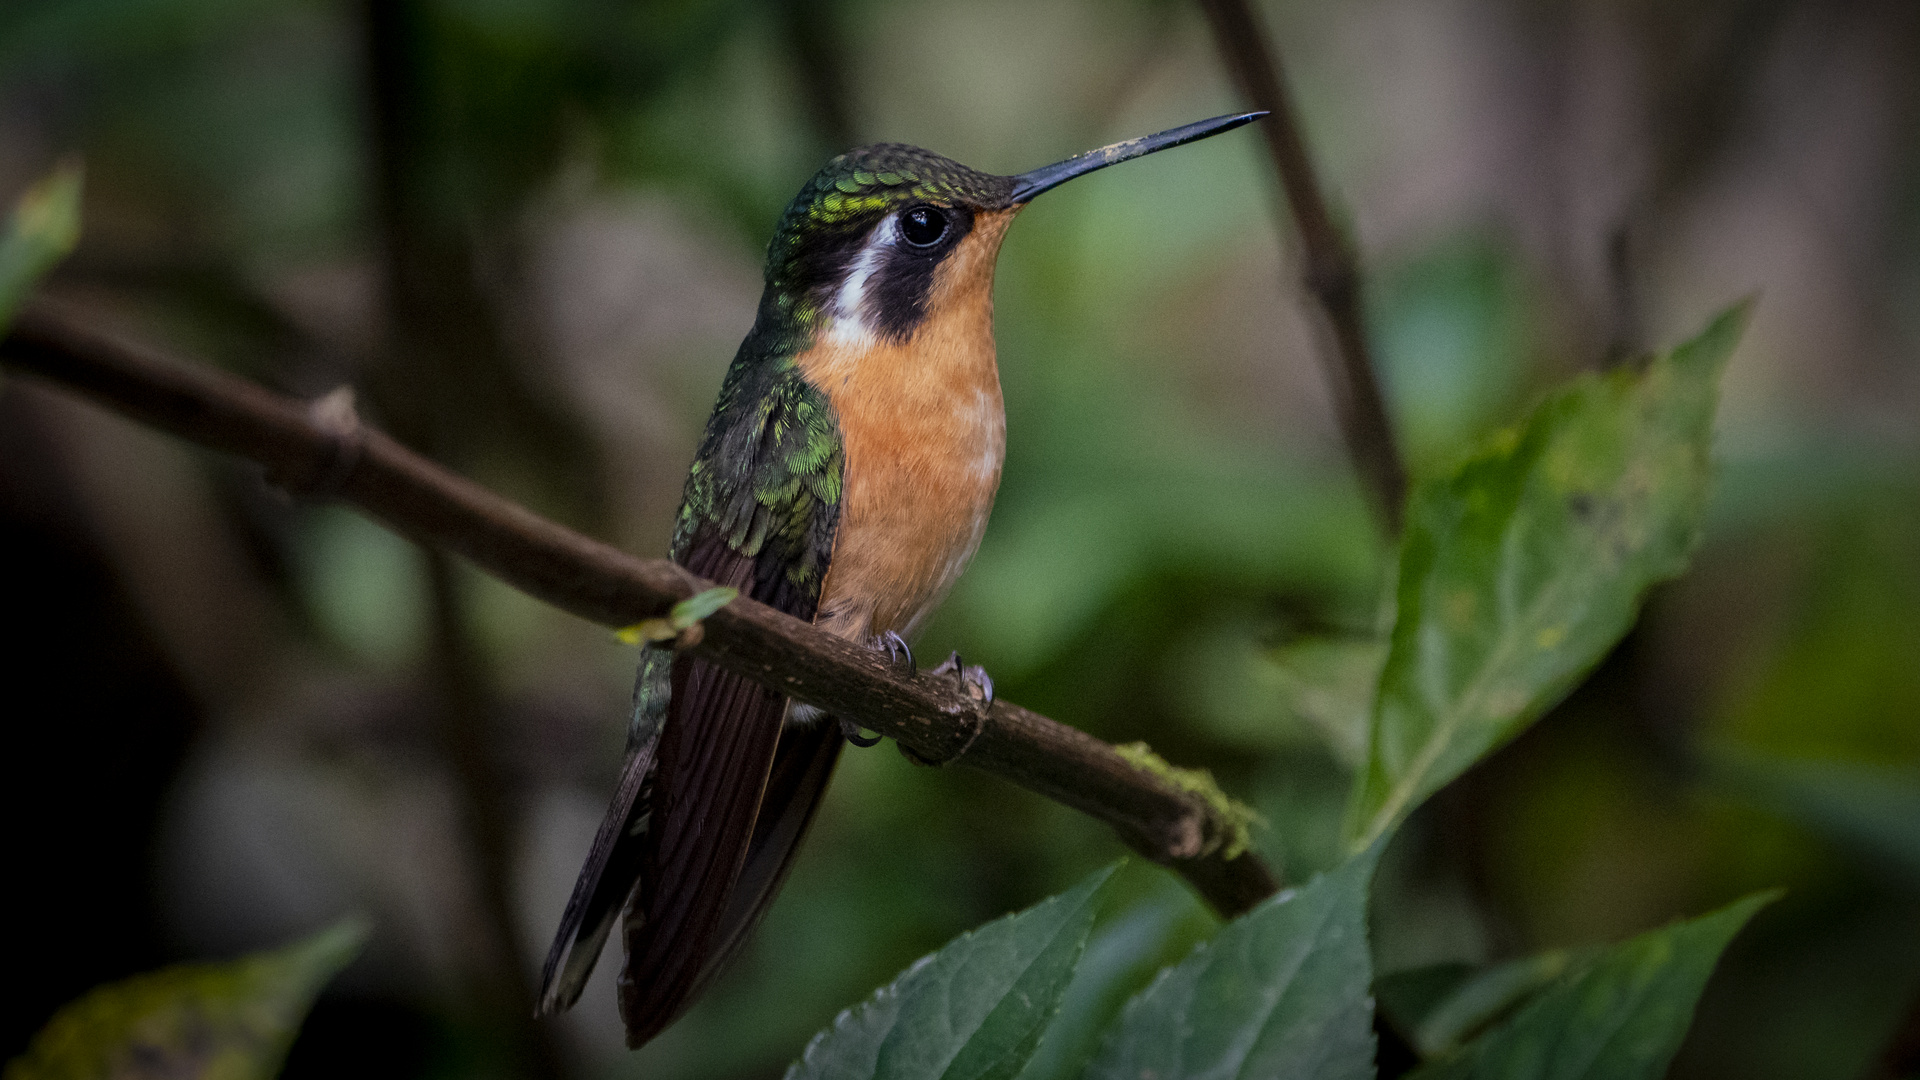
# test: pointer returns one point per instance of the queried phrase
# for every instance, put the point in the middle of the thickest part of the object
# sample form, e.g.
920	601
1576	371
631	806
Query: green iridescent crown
855	188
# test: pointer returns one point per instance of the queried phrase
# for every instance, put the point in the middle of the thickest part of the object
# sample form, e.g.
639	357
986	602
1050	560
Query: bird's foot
897	652
973	678
901	659
851	731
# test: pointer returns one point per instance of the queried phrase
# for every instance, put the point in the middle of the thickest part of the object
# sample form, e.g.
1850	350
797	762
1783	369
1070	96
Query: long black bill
1027	185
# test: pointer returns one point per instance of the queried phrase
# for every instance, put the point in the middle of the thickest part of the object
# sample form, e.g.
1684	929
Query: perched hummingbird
845	478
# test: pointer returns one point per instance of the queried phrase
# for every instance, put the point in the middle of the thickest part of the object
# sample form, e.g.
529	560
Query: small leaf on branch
1620	1017
973	1010
1520	571
231	1021
1280	992
684	617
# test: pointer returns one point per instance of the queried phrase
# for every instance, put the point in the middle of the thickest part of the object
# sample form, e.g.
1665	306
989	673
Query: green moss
1237	817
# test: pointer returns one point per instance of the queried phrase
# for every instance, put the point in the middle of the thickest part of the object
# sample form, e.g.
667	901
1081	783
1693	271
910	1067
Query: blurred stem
812	37
316	452
1623	331
1332	268
447	382
450	380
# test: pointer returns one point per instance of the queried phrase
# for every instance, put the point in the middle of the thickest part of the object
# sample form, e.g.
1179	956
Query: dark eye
923	226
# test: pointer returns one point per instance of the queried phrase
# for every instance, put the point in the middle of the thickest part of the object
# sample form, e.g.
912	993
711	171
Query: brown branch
1332	268
320	451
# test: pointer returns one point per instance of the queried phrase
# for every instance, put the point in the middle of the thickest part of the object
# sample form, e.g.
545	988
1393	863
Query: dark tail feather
605	882
801	769
716	751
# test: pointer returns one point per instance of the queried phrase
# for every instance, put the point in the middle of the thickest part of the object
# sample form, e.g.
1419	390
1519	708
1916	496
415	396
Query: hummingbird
844	477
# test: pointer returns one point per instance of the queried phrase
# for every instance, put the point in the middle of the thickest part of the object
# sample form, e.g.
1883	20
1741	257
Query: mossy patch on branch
1236	818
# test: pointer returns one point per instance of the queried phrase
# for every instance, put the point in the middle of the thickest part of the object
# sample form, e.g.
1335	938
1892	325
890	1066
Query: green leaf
44	227
685	615
1619	1018
1872	809
972	1011
1280	992
1476	999
1121	957
1406	997
1519	571
231	1021
700	605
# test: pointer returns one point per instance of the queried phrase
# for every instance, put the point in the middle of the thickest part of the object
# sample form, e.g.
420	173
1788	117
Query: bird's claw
901	659
898	654
851	731
973	678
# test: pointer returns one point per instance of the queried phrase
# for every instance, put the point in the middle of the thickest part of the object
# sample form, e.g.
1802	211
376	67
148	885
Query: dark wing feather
801	769
716	752
607	879
760	513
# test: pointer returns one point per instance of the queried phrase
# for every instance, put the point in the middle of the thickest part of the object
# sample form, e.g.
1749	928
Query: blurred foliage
1451	332
43	228
231	1021
1440	1008
1870	809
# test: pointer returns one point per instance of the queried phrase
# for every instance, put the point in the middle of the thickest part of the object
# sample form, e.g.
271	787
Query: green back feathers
768	474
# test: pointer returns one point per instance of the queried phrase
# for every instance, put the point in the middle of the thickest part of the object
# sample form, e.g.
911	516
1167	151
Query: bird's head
875	235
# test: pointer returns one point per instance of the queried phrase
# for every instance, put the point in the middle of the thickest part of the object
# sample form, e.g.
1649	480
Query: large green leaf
1620	1018
972	1011
1280	992
1520	570
231	1021
43	228
1121	957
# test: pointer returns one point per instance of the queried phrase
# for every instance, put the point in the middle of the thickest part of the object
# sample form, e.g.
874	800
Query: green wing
764	490
761	505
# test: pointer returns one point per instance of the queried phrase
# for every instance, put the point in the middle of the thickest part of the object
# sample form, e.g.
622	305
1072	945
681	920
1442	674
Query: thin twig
1332	269
822	65
434	312
312	452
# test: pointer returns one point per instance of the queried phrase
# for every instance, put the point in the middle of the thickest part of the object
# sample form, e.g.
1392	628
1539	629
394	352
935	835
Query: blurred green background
529	233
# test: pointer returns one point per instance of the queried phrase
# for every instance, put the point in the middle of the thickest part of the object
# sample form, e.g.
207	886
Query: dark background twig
1332	269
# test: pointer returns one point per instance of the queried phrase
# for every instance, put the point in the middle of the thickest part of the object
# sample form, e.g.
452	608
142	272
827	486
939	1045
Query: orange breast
924	433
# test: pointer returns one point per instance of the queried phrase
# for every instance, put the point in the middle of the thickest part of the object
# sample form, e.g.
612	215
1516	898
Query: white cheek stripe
849	304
